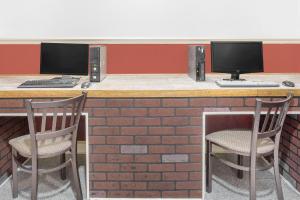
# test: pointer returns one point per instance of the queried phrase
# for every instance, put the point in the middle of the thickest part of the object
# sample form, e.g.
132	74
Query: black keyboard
50	83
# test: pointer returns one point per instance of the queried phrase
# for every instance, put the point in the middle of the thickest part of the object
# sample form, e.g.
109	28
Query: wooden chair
260	142
43	143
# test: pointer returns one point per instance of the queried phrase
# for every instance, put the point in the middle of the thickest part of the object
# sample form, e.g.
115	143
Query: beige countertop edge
148	93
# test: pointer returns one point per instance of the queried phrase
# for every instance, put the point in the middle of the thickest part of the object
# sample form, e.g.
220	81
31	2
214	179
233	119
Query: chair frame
270	128
67	130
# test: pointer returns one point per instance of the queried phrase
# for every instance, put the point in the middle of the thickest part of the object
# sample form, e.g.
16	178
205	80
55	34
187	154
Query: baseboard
4	178
290	185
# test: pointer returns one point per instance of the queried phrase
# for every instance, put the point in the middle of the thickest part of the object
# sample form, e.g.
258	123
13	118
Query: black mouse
85	85
288	83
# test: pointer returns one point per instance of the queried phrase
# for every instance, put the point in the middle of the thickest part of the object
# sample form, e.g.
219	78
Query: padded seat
240	141
45	147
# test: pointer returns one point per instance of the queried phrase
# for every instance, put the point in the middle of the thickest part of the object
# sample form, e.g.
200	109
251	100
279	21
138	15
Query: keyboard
50	83
228	83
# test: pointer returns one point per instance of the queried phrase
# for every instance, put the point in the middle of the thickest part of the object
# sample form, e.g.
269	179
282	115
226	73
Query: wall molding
143	40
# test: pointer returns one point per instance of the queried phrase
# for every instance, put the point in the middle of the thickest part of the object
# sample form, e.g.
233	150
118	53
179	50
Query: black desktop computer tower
97	63
197	62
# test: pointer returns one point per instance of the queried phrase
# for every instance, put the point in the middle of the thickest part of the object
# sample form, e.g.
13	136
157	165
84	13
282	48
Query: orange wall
19	59
282	58
145	58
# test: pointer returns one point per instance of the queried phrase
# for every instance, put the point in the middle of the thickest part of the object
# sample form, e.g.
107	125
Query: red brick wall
145	148
149	147
10	127
290	150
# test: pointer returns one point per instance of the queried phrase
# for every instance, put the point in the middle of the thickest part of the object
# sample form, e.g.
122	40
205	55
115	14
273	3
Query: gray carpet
50	187
227	186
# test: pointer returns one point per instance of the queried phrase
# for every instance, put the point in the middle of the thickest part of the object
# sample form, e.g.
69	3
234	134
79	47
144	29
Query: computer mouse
288	83
85	85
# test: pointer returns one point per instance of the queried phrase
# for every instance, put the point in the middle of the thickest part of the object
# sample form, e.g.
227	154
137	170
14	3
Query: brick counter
148	147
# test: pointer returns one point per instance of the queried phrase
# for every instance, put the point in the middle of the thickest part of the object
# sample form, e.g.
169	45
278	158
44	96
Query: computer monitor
64	59
237	58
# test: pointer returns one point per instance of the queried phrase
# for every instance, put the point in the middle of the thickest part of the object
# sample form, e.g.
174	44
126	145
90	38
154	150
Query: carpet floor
227	186
51	186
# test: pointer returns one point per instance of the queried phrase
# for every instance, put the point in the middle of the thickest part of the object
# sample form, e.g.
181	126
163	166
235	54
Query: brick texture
10	127
152	147
290	150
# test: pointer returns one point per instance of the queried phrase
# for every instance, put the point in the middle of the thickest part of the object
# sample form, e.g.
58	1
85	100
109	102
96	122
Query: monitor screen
65	59
240	57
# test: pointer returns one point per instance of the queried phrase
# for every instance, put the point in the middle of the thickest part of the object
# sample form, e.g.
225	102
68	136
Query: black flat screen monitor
64	59
237	57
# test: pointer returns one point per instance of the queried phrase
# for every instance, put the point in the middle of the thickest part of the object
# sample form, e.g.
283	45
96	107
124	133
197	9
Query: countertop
150	85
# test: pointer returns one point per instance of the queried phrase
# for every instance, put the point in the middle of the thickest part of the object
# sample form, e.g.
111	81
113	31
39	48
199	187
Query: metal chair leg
209	168
240	162
63	170
277	178
253	178
34	179
14	174
76	177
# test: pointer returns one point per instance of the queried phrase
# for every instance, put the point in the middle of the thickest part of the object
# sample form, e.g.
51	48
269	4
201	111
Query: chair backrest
269	124
59	119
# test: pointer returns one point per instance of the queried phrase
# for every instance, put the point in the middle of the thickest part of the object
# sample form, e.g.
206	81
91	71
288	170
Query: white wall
158	19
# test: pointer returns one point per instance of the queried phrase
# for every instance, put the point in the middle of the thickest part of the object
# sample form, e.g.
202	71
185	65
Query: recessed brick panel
161	185
150	158
10	127
175	176
147	194
147	176
134	149
133	167
147	103
175	194
161	167
133	185
290	150
156	112
173	158
147	140
12	103
175	102
161	130
119	158
120	194
119	139
120	176
134	130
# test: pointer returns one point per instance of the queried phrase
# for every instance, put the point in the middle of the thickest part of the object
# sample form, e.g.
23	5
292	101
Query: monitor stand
235	76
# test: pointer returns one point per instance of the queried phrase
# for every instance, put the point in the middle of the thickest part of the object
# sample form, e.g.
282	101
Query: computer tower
197	62
97	63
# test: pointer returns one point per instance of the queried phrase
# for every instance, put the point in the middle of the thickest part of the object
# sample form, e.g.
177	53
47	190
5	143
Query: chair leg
76	176
63	170
14	174
240	162
277	178
34	179
253	179
208	168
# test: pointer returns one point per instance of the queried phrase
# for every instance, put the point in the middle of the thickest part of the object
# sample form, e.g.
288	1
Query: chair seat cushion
240	140
45	147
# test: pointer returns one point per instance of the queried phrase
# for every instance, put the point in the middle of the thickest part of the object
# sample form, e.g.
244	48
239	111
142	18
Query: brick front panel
10	127
290	150
152	147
